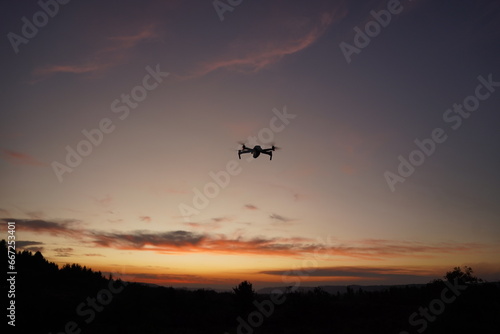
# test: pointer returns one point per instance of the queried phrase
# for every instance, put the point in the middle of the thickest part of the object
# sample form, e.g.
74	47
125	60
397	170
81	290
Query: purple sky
166	90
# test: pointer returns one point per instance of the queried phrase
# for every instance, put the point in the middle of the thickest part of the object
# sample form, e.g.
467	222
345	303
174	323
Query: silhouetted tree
463	277
244	296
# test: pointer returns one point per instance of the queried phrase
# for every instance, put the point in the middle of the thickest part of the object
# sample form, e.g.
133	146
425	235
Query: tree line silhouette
76	299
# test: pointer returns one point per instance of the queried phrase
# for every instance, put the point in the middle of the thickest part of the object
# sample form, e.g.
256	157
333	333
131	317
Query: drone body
256	151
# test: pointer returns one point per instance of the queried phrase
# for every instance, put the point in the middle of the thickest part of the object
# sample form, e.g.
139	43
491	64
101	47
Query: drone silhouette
257	150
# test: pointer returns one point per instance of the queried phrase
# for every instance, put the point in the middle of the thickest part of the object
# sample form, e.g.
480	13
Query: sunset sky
165	90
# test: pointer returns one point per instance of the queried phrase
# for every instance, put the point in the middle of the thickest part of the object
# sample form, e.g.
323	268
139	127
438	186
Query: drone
257	150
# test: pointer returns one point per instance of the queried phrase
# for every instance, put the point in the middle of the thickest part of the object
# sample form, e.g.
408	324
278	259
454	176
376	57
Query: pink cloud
18	158
146	219
213	224
112	55
270	41
130	41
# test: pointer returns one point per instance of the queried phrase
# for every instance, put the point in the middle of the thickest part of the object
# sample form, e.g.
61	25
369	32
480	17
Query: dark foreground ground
75	300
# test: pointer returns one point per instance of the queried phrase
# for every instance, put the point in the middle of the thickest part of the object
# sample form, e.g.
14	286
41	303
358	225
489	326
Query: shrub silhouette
244	295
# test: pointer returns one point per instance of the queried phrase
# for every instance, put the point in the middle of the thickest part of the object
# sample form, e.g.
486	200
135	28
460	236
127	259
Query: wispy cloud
73	69
31	246
250	207
120	43
18	158
146	219
70	228
279	219
275	37
213	224
362	274
173	278
26	243
140	240
115	53
366	272
188	242
63	252
184	241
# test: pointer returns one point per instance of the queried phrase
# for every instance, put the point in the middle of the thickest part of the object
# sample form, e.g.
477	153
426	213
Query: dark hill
76	299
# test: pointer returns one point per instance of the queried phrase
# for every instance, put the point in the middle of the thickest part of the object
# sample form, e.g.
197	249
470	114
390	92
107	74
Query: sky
121	122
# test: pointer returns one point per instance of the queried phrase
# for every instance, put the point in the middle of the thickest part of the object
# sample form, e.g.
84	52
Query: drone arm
269	153
240	152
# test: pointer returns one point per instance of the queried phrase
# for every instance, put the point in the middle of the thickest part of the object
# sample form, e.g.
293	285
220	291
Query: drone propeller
274	148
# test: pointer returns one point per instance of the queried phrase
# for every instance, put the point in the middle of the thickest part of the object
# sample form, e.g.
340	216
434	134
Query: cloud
282	31
172	278
213	224
183	241
73	69
251	207
187	242
114	53
362	275
18	158
63	252
30	246
124	42
26	243
280	218
221	219
146	219
140	239
63	228
34	249
365	272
